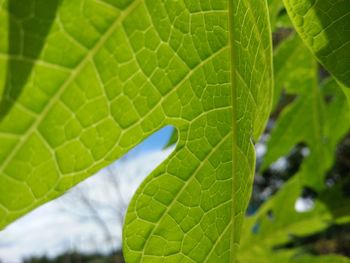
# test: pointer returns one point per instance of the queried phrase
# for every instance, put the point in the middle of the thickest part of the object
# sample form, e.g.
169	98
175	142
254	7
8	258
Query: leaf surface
85	81
325	26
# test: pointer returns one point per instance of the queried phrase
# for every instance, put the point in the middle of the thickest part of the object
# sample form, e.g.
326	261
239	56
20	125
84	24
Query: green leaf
278	15
325	26
197	206
309	118
275	7
317	107
322	259
289	257
293	68
277	221
85	81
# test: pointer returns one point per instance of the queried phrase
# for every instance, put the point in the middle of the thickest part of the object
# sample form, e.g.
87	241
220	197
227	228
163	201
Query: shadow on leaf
29	23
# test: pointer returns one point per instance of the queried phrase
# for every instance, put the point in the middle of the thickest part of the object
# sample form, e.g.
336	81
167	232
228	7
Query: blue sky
156	141
57	219
60	218
68	220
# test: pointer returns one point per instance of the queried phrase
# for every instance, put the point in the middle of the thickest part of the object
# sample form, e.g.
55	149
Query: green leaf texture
191	209
325	26
85	81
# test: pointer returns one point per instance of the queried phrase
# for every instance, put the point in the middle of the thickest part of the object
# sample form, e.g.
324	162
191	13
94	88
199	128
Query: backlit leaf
85	81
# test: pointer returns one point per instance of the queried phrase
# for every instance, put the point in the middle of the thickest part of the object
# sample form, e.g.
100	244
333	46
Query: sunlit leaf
325	26
85	81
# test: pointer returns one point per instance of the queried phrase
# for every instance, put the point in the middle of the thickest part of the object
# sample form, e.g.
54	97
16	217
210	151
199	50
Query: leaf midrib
234	126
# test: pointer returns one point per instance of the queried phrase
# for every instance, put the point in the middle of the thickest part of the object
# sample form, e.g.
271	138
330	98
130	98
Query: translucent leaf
85	81
325	26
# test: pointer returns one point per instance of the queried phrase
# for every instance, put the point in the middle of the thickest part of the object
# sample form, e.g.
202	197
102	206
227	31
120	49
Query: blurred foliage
77	257
307	161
